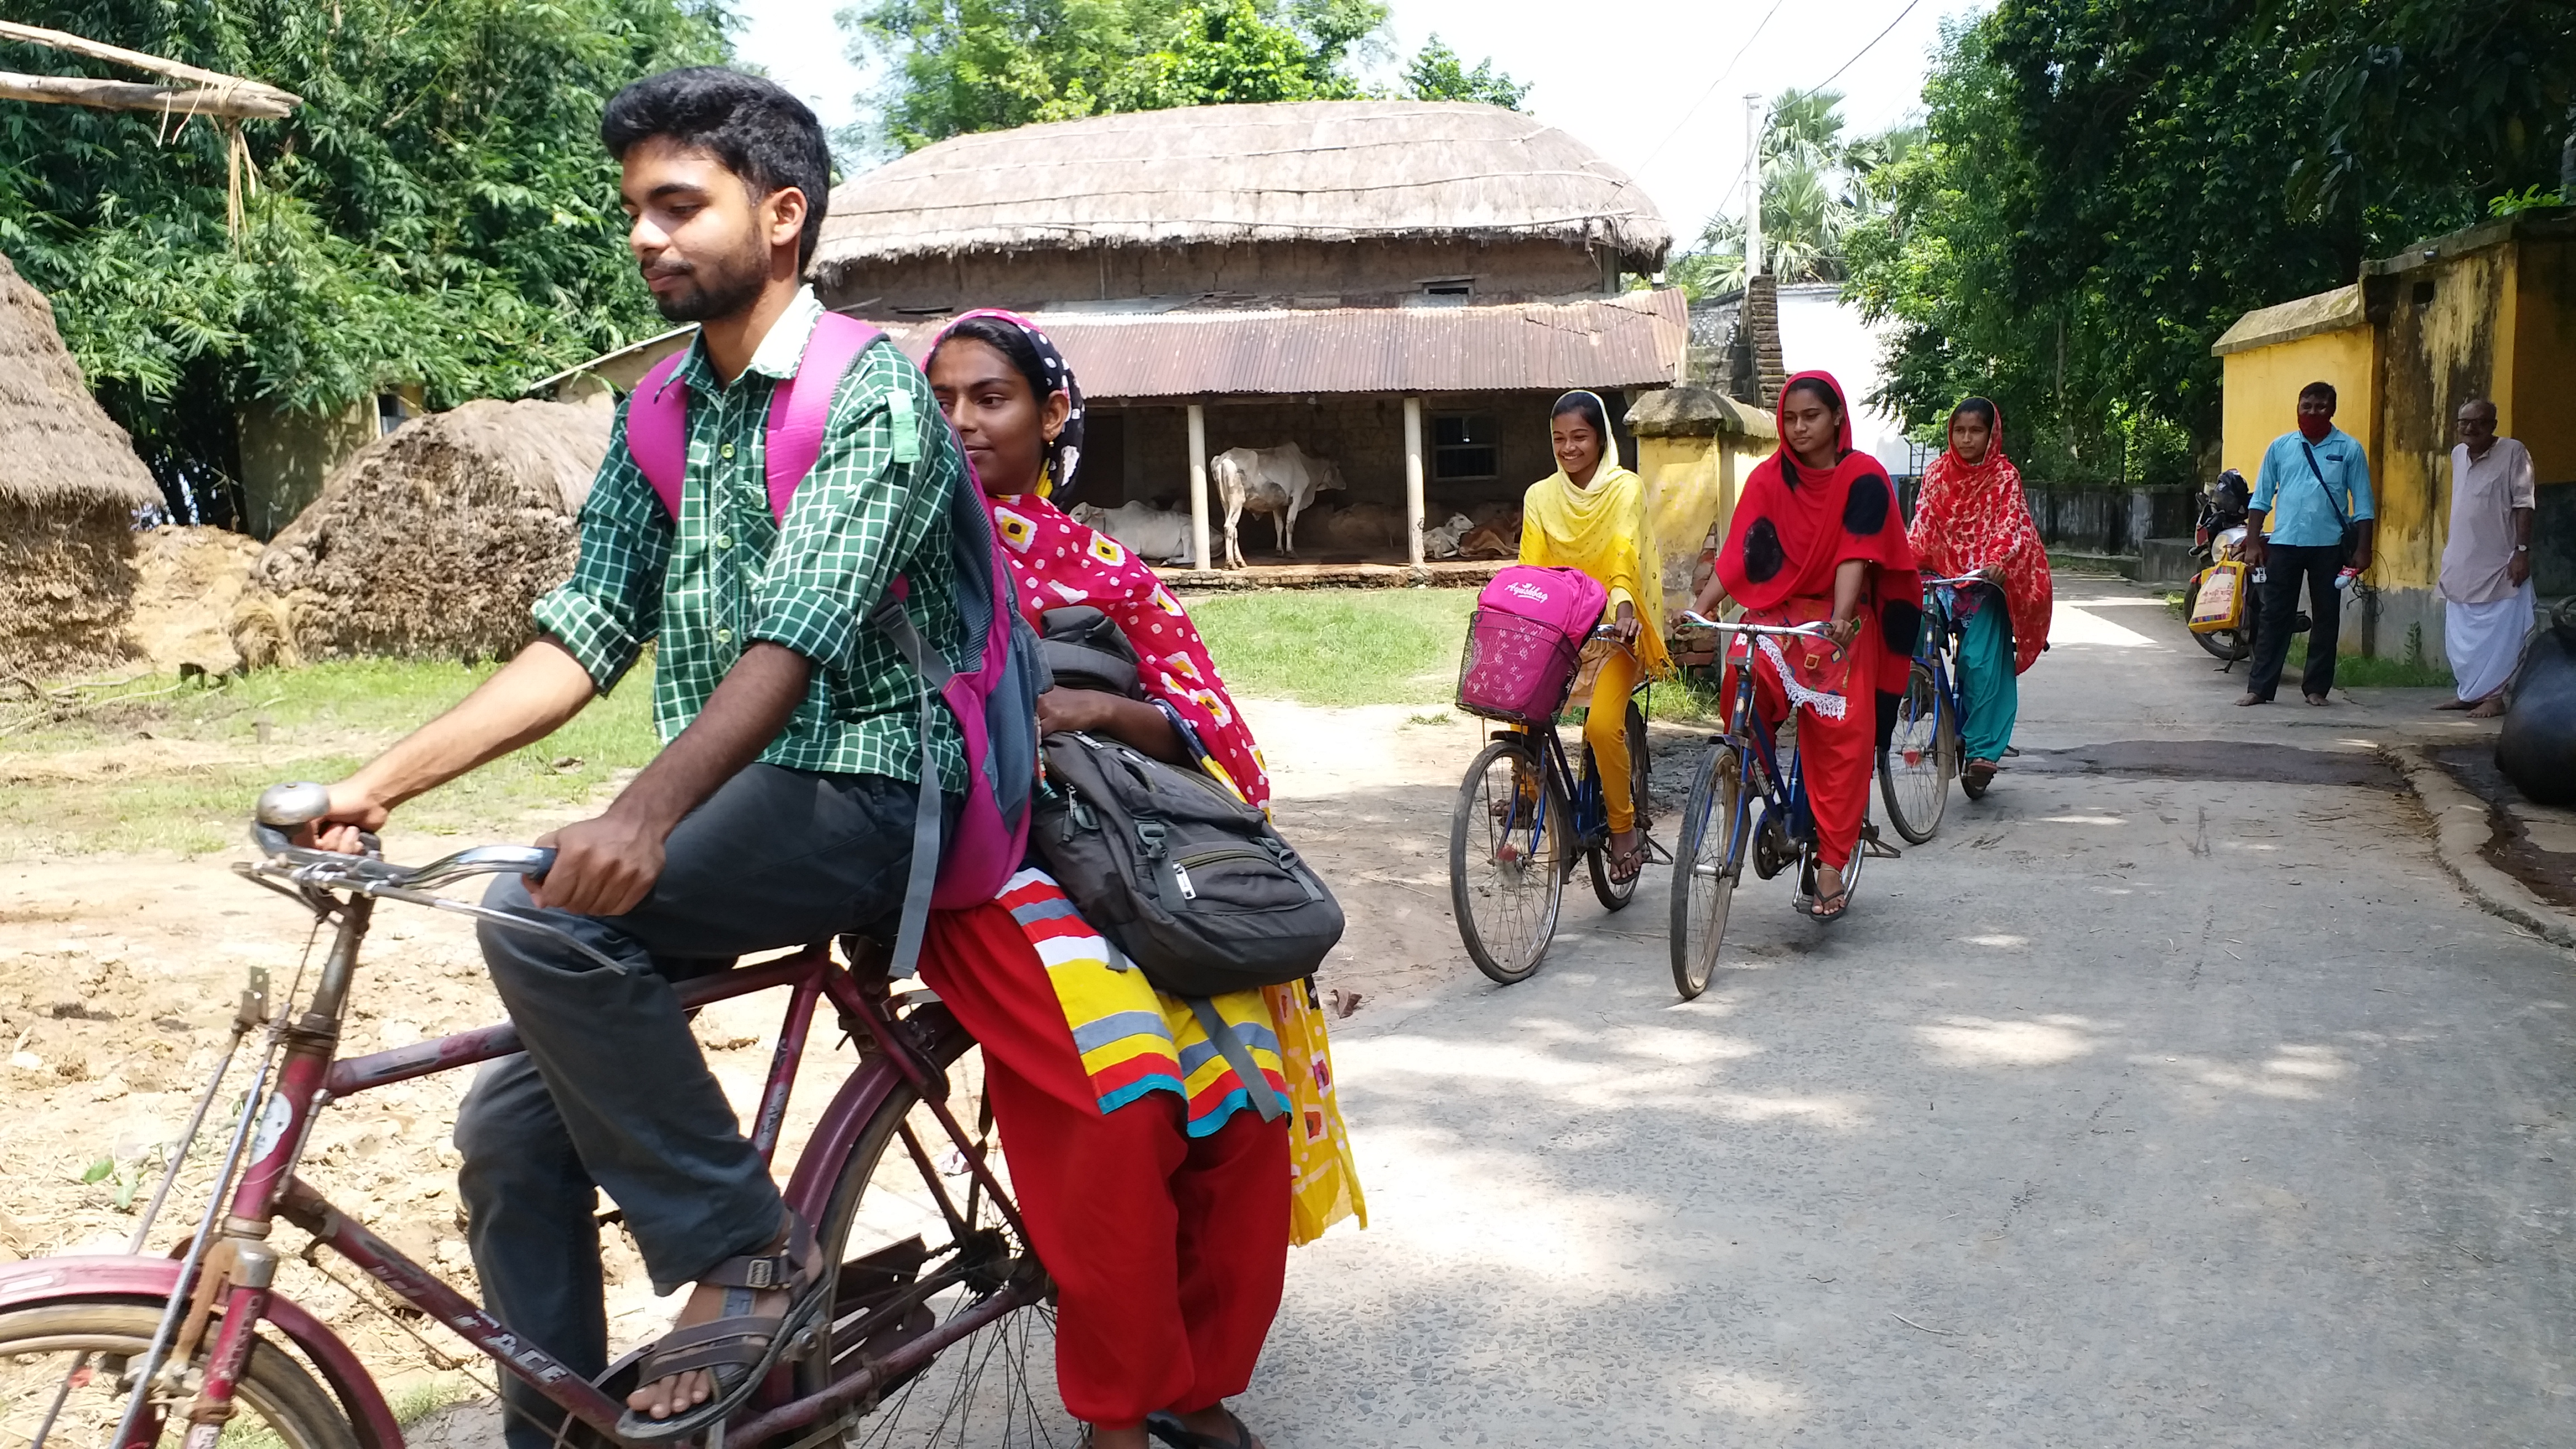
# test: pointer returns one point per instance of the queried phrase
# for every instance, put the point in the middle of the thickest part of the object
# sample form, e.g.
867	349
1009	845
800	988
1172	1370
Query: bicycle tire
1704	879
283	1395
877	1167
1519	875
1915	765
1614	895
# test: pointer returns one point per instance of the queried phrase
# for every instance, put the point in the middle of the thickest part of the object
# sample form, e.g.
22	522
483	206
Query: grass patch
2362	671
179	770
1338	647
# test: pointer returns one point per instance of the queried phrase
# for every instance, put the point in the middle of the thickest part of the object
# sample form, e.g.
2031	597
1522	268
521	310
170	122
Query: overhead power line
1873	43
1714	84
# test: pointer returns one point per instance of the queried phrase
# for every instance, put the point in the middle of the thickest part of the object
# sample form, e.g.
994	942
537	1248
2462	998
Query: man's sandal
739	1348
1170	1429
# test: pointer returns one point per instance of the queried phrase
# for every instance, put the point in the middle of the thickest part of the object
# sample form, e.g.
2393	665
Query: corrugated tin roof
1633	339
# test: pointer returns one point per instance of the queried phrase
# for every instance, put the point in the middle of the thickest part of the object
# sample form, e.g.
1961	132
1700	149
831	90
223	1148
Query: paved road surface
2136	1108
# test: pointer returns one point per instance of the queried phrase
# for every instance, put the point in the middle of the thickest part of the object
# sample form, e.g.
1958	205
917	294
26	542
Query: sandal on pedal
740	1347
1627	865
1981	773
1170	1429
1824	910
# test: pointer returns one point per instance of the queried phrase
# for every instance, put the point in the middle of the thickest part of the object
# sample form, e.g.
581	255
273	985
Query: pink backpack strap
657	430
657	415
799	411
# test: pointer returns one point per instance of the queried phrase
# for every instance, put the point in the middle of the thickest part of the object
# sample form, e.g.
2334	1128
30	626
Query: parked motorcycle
2219	537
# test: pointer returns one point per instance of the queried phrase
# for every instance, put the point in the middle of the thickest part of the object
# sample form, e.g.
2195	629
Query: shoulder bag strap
1229	1044
2319	474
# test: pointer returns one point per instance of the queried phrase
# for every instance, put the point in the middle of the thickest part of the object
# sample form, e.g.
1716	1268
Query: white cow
1158	534
1280	481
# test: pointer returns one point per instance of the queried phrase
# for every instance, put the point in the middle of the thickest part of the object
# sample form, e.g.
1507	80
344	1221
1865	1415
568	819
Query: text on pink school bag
994	703
1524	640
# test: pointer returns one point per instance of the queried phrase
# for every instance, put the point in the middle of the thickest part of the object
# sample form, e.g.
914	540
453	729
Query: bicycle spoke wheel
65	1371
920	1242
1614	894
1914	768
1707	860
1508	859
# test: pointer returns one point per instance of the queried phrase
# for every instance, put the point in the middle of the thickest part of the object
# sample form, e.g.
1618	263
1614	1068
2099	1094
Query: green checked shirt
728	574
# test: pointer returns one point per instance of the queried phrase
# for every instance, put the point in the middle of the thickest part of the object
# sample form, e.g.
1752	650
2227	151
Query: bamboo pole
118	55
134	96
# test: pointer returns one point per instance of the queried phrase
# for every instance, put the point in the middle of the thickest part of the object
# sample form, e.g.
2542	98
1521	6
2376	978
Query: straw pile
431	541
1313	171
69	487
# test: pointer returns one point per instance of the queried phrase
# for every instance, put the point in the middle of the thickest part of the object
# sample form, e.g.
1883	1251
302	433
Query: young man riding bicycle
779	812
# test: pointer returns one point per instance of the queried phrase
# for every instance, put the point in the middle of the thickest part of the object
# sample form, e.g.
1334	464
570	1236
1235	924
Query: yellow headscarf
1604	529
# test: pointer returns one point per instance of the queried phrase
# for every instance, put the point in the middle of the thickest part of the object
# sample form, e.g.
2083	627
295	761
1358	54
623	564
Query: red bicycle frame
239	1266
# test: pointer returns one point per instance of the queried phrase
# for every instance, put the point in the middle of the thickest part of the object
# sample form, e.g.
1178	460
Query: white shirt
2484	494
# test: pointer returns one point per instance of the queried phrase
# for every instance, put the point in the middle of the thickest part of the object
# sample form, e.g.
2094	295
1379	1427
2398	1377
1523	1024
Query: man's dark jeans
612	1093
2285	566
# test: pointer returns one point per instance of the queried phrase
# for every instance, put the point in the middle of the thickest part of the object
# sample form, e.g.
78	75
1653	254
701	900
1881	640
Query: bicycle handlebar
1798	631
1962	581
284	807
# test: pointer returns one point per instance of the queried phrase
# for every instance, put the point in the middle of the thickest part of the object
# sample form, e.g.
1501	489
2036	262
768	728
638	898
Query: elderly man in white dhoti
2486	567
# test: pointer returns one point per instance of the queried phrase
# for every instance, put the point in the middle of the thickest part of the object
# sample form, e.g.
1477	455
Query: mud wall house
2487	312
69	488
1402	287
287	456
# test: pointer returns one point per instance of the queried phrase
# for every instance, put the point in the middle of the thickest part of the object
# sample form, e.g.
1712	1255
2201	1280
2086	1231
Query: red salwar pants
1168	1252
1840	756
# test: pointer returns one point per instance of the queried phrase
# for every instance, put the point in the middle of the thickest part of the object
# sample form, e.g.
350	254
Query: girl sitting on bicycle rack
1159	1200
1817	536
1972	515
1590	514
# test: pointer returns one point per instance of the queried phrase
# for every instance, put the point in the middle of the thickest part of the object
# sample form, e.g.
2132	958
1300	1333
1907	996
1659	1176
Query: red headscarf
1794	527
1974	516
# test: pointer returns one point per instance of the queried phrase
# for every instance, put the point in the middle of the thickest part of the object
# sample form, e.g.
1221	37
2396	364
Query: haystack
431	541
69	487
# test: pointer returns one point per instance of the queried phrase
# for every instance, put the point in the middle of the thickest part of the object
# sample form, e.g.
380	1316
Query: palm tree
1815	187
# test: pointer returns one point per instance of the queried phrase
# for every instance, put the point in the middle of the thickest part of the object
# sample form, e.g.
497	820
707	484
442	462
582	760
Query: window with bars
1463	448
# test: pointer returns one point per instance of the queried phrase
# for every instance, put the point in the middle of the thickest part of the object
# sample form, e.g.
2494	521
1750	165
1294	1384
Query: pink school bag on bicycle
993	700
1524	640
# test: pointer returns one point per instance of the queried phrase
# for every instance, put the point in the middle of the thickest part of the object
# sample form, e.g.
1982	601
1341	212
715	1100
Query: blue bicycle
1525	814
1921	757
1720	833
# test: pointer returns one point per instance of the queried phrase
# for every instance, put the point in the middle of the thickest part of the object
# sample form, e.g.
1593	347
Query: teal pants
1987	688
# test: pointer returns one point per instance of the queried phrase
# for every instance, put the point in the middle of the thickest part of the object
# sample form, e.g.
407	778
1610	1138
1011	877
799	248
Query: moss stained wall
2448	324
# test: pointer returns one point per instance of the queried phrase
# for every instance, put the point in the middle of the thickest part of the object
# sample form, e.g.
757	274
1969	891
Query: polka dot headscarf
1064	454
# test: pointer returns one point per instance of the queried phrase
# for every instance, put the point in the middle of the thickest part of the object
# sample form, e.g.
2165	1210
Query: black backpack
1185	878
1189	881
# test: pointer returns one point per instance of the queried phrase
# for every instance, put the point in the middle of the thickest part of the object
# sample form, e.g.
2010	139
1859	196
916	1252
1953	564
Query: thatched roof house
1399	286
1434	188
69	488
431	541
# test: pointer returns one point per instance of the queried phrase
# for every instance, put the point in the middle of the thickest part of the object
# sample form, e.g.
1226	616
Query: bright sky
1635	85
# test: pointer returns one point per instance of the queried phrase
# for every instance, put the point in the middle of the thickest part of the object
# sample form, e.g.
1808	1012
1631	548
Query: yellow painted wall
2260	400
2447	331
1691	487
2535	402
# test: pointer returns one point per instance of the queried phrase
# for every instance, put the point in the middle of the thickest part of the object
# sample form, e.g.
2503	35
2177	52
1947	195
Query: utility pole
1752	185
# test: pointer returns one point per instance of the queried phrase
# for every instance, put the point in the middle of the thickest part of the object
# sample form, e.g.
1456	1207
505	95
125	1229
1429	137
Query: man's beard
718	288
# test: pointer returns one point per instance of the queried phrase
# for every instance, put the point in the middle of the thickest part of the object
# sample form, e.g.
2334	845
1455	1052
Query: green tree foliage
2105	189
1437	74
985	65
1816	186
437	212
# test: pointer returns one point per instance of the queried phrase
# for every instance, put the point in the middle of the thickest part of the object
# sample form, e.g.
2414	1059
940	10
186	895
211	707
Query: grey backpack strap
1229	1044
896	625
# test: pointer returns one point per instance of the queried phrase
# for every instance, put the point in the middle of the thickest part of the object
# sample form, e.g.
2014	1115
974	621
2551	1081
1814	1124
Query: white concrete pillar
1413	480
1198	486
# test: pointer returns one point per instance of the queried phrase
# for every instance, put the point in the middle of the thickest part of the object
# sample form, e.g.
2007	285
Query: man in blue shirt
2313	483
